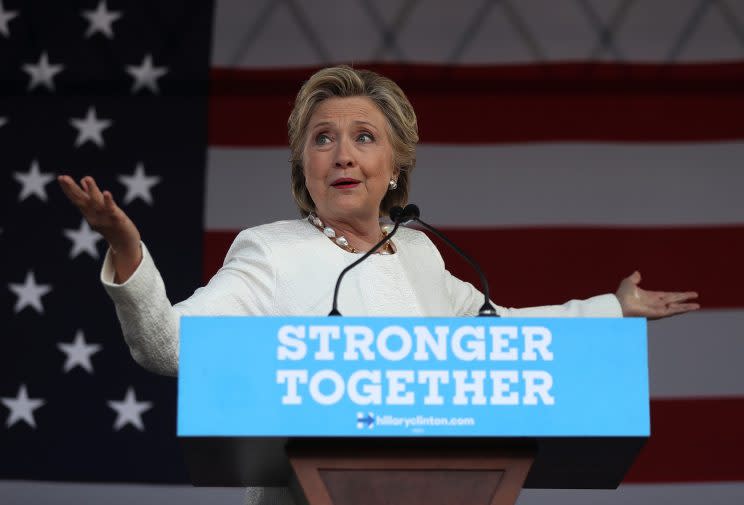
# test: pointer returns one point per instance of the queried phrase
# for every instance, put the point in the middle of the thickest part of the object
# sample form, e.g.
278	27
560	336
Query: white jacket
290	268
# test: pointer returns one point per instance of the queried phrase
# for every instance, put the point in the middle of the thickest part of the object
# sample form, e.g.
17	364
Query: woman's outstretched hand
637	302
107	218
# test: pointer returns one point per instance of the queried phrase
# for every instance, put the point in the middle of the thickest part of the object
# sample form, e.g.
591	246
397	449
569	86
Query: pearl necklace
341	240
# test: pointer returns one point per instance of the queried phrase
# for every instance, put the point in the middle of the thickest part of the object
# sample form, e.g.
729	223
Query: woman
352	136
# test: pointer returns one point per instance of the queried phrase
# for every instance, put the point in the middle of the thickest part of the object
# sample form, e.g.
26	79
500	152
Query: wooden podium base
408	477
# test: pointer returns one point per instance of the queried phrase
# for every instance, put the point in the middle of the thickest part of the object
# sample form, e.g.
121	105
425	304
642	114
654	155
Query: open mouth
345	183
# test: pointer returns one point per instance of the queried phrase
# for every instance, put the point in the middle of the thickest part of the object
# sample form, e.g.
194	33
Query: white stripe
697	355
247	187
647	494
65	493
52	493
522	185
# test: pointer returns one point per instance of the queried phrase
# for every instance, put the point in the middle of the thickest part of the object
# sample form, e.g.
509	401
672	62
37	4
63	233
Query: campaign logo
365	420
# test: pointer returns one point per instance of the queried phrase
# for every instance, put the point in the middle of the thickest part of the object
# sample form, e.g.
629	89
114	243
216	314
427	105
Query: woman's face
348	158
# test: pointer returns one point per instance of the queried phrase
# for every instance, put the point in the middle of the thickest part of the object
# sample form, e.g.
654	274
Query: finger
93	190
678	297
669	296
72	191
681	308
635	277
108	202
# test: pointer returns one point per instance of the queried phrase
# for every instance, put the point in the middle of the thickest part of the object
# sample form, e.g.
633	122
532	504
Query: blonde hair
344	81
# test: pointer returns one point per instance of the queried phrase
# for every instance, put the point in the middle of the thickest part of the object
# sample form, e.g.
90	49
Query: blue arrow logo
367	420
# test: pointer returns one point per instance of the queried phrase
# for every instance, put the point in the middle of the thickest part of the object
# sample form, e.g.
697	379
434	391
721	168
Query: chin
352	210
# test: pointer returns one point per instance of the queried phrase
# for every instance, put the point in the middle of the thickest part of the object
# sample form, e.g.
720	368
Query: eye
365	138
322	139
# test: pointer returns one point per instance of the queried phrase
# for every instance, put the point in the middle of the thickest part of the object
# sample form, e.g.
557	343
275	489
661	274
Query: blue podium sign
421	377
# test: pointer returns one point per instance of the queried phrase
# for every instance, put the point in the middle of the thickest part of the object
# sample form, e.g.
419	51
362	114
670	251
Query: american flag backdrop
118	92
564	144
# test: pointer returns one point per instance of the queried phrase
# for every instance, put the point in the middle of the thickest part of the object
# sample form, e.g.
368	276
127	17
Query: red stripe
539	266
693	440
510	103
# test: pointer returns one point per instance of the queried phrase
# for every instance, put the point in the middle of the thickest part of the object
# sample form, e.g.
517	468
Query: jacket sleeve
245	285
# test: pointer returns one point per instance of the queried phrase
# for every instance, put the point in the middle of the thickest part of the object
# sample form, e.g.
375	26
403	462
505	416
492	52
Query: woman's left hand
637	302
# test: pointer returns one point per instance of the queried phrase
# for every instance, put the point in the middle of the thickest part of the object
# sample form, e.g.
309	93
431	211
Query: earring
393	184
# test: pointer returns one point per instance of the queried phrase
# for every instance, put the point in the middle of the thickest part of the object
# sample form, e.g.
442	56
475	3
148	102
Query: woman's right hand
107	218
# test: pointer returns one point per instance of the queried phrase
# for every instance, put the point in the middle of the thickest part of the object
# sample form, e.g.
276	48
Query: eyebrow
355	123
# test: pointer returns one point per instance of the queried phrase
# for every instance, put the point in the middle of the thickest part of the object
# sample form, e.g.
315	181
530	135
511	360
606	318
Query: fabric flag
560	220
563	145
116	91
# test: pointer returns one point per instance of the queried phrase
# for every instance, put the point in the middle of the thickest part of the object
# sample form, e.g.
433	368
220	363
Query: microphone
412	213
406	215
397	215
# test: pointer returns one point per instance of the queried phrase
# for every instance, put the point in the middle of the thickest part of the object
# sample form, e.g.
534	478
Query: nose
344	155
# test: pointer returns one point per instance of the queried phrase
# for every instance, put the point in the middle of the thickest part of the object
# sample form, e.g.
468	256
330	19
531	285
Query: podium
412	410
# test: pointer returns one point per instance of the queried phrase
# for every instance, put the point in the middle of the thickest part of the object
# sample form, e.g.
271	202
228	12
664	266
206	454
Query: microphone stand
486	309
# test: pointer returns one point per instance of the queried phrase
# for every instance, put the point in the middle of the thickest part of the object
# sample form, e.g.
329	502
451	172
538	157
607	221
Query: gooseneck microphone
411	212
397	215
